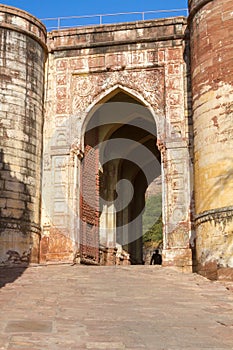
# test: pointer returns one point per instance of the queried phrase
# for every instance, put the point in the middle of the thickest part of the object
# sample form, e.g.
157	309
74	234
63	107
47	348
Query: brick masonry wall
211	33
22	58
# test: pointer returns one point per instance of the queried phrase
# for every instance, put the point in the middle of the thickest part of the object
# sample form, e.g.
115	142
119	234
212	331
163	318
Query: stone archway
120	160
153	71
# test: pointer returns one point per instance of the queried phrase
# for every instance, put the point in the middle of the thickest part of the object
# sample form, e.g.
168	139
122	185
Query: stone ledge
118	34
211	271
14	224
20	21
13	11
195	6
118	26
216	215
114	43
225	274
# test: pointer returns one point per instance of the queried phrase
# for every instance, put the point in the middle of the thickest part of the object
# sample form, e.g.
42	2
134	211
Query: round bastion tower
22	59
211	41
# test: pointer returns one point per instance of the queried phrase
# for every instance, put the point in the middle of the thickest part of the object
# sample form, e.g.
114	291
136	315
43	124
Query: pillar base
225	274
211	271
19	243
108	256
56	246
180	258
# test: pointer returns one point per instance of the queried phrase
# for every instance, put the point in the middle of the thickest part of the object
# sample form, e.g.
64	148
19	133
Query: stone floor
133	308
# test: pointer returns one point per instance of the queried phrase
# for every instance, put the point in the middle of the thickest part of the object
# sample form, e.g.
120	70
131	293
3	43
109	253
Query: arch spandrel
148	83
91	89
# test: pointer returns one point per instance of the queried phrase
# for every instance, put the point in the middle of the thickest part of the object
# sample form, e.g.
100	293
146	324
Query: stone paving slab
113	308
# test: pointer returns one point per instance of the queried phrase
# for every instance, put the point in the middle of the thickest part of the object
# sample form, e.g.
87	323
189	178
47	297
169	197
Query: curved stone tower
211	41
22	59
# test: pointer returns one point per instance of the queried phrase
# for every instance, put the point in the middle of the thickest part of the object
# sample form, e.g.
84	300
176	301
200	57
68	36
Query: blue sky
60	8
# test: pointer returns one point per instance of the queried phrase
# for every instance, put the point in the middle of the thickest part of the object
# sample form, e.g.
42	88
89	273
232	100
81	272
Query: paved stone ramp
113	308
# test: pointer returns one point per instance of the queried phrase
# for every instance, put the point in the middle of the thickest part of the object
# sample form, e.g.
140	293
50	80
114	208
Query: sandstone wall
22	58
211	38
148	60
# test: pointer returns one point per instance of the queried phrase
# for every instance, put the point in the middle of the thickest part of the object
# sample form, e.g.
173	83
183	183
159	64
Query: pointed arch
105	96
134	126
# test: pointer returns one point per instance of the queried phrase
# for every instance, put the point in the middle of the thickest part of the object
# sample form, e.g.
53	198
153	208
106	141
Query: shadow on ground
10	274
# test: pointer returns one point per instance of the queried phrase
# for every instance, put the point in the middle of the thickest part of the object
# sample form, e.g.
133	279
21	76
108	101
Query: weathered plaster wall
85	65
211	35
22	58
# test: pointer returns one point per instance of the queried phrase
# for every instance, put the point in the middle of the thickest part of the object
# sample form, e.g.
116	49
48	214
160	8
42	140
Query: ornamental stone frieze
148	82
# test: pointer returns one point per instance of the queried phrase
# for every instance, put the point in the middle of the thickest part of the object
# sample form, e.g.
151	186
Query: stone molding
20	21
195	6
15	225
214	214
92	37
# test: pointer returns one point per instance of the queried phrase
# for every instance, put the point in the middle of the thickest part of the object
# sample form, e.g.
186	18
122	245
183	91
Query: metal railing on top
109	18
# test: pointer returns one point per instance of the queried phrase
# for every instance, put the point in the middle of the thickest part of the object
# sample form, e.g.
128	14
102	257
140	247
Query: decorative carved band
215	214
12	224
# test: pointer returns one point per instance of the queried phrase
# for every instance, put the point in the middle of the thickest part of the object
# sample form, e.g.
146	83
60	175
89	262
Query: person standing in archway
156	258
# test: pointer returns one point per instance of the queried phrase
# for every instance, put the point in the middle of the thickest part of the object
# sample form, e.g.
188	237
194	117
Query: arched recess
105	96
121	159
